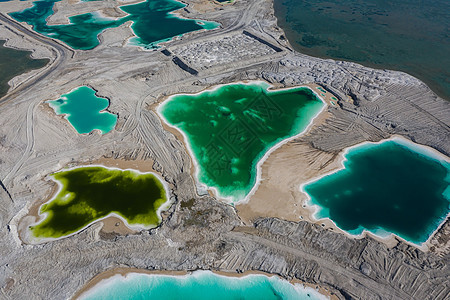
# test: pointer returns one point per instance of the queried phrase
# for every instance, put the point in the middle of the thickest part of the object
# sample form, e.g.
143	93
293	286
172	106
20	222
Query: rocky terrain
200	232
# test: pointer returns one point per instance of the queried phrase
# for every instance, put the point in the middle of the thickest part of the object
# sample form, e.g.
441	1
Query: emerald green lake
229	129
389	187
153	22
198	285
83	109
91	193
406	35
15	62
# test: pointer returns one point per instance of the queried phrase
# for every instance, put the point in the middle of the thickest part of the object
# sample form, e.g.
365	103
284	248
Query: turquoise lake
406	35
229	129
392	187
199	285
153	22
84	110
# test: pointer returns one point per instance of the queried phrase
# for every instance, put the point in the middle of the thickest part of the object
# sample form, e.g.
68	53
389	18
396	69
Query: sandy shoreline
124	271
281	194
278	180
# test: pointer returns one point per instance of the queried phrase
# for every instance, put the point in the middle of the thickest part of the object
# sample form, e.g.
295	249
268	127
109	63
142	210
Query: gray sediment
205	233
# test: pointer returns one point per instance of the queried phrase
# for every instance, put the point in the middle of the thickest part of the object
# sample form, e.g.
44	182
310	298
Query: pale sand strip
124	271
295	164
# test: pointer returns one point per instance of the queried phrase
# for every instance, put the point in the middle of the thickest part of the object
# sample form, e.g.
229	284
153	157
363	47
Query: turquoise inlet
231	128
153	22
390	187
83	109
199	285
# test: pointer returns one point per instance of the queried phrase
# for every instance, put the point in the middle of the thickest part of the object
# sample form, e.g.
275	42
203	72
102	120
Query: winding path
61	52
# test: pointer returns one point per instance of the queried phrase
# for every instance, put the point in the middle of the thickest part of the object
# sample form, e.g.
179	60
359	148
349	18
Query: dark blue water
406	35
14	62
386	188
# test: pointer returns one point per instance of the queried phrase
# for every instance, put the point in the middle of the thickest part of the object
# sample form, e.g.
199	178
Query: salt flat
204	233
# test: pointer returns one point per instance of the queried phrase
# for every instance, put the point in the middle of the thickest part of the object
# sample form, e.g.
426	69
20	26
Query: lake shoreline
123	271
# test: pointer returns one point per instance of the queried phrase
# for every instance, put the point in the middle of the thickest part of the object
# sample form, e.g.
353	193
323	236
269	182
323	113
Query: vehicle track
62	54
61	51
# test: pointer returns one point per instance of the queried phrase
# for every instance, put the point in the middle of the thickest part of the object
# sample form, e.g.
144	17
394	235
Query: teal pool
84	110
198	285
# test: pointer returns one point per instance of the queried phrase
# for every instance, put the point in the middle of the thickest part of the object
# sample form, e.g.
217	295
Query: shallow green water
91	193
229	129
153	22
199	285
384	188
83	110
405	35
15	62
